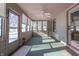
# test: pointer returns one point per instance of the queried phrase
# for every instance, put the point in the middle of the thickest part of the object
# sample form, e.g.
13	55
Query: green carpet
47	46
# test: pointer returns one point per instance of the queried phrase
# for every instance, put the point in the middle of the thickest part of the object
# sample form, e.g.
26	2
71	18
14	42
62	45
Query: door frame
67	23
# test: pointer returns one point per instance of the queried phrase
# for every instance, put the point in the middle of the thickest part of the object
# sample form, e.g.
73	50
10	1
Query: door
74	29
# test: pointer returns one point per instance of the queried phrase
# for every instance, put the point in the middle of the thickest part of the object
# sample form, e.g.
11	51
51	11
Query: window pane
28	26
39	25
0	26
13	27
34	26
77	25
31	26
24	21
54	25
44	25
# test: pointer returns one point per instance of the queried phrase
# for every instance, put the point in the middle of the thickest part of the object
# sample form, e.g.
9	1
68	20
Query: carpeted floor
47	46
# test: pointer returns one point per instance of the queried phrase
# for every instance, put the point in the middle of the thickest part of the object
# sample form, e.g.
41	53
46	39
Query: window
0	26
54	25
44	25
34	25
31	26
13	27
28	25
39	25
24	21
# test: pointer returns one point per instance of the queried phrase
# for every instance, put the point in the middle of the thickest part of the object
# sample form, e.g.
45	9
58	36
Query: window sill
10	41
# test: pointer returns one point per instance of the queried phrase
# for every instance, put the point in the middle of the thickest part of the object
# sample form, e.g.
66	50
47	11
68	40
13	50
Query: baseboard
73	49
22	51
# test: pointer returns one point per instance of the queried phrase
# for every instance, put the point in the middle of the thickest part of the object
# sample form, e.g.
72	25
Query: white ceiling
34	9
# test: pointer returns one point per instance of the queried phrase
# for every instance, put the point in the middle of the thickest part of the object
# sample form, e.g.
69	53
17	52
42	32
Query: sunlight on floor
47	46
48	40
58	53
57	45
40	47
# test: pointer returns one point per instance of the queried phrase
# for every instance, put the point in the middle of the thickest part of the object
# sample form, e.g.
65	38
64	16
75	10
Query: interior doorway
74	30
75	25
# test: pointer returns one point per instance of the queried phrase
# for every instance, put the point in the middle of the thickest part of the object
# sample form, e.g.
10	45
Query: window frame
44	25
29	23
39	23
1	25
26	23
34	28
15	13
54	25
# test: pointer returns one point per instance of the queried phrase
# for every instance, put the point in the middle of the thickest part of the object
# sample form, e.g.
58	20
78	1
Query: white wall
27	35
61	27
2	9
